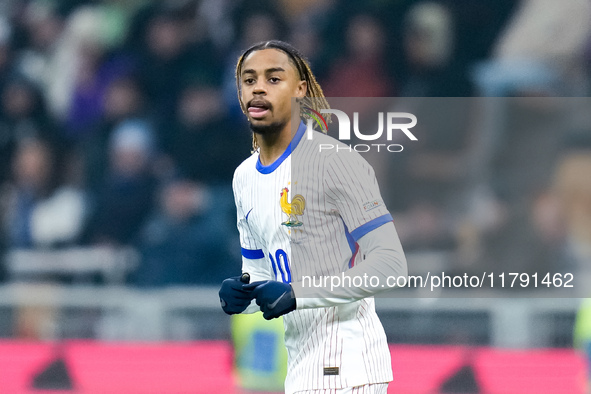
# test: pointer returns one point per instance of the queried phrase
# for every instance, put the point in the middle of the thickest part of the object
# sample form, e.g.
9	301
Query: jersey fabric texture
379	388
302	216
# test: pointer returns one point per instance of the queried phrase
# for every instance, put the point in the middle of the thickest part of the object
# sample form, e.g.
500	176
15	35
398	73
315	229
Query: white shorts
375	388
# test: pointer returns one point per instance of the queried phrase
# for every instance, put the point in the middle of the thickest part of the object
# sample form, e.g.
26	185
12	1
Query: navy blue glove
233	296
275	298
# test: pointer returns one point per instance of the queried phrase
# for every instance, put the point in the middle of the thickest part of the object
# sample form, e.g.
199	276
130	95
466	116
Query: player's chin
266	127
264	120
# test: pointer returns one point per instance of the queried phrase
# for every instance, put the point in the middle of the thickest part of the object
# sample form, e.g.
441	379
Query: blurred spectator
427	183
123	100
310	43
92	85
31	182
22	116
429	50
540	51
572	187
183	243
204	145
309	23
508	206
35	211
214	20
167	57
125	196
41	28
361	71
254	22
94	70
70	58
561	213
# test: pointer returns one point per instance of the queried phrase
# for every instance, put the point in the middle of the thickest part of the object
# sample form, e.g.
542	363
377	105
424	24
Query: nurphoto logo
396	123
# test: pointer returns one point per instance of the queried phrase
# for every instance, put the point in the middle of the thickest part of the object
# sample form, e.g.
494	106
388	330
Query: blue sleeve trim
371	225
253	254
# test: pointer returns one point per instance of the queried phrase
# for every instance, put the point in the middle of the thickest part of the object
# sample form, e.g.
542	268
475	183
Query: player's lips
258	108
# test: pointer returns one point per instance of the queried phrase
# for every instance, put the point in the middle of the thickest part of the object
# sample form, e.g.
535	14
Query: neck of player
273	145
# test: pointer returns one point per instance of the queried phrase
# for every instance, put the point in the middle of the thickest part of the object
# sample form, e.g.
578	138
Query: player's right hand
233	297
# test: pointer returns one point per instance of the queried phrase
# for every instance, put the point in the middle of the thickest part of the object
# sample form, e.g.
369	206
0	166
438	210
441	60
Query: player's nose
259	88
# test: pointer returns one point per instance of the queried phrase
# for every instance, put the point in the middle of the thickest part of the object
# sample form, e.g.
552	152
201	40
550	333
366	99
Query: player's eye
274	80
248	81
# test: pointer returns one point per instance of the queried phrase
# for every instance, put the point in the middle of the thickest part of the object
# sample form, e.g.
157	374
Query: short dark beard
269	129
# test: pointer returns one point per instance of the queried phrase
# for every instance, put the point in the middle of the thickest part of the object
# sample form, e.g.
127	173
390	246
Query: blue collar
292	145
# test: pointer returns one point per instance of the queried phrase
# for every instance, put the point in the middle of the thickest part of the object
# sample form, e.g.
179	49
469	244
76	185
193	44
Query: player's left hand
275	298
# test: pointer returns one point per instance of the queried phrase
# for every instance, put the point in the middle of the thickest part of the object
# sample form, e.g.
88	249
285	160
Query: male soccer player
305	212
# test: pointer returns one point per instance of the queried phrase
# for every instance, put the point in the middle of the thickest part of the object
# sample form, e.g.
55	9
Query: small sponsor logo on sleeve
368	206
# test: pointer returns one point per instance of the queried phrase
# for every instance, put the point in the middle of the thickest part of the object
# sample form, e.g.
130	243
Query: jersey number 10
281	263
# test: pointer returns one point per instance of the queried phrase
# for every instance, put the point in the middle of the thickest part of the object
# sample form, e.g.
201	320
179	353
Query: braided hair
314	96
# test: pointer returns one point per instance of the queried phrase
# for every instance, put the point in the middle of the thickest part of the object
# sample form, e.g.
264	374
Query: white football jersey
301	216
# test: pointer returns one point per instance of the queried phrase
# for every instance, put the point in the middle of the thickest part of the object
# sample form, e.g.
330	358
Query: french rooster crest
292	209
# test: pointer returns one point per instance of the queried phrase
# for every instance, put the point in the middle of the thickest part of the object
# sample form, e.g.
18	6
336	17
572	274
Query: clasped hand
274	298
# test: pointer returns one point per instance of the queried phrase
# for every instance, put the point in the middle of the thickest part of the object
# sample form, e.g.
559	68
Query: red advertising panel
206	367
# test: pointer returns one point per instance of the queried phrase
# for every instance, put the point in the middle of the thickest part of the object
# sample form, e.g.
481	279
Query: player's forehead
263	60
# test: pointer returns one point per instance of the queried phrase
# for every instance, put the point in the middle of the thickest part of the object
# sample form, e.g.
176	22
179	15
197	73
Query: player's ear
301	89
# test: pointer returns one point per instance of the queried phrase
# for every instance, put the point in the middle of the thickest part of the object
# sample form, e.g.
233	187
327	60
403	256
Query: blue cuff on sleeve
371	225
253	254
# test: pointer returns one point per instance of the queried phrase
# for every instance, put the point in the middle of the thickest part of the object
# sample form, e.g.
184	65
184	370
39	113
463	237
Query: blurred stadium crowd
119	123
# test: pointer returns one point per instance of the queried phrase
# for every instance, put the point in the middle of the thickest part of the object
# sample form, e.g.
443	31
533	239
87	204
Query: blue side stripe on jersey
292	145
371	225
350	239
252	254
352	245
